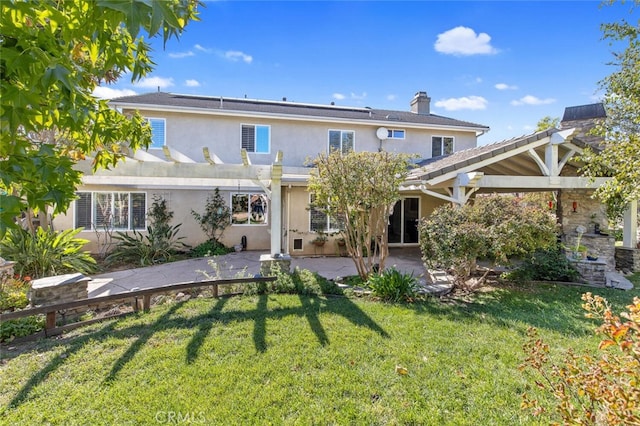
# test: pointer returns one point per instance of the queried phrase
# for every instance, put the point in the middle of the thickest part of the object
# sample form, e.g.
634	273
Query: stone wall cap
58	280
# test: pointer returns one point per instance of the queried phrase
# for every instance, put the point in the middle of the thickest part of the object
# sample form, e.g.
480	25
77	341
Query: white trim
453	147
341	132
255	139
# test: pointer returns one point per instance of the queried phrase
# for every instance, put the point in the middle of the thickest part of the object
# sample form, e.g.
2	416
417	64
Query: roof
284	108
433	167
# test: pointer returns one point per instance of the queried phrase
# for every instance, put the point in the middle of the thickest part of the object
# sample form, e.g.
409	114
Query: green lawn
288	359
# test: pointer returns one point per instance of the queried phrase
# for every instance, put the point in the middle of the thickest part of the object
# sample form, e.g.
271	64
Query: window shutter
83	210
249	138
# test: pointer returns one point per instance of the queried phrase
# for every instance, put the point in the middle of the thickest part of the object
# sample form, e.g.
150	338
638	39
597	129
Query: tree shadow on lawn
555	307
310	308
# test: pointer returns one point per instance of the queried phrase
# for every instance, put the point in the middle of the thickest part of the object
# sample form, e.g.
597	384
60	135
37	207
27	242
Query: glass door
403	222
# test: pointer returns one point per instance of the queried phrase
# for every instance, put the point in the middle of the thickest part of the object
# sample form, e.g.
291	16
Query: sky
502	64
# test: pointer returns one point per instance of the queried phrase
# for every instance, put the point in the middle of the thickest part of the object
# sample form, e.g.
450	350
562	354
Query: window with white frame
249	209
158	132
121	211
441	145
341	140
320	221
395	133
256	138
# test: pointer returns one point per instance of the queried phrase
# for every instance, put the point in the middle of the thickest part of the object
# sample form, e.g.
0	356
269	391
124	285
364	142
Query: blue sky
504	64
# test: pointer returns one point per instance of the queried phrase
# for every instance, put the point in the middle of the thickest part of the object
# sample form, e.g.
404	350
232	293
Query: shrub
544	265
592	390
13	294
20	327
392	285
209	248
493	227
216	217
159	245
46	252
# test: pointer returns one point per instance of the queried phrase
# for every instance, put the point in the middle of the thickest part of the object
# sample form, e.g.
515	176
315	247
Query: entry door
403	222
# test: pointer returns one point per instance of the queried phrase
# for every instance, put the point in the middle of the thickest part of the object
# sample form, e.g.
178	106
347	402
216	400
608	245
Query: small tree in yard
359	189
215	218
592	390
493	227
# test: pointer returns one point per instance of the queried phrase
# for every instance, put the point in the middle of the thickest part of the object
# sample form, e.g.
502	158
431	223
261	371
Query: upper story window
121	211
441	145
396	133
256	138
341	140
158	128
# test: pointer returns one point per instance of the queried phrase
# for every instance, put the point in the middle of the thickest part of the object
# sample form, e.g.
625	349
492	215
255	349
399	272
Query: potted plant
320	239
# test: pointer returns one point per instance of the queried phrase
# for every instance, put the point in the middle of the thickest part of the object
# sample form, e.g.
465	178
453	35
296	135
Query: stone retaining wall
591	272
58	289
627	259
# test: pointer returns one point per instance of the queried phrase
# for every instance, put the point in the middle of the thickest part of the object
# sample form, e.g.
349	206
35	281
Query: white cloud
532	100
338	96
466	102
504	86
192	83
236	55
463	41
358	97
109	93
179	55
392	97
202	49
155	82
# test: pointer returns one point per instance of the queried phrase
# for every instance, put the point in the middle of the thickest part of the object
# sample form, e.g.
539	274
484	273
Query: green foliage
13	294
209	248
493	227
47	252
20	327
53	55
621	128
216	217
544	265
591	390
159	245
357	189
547	122
392	285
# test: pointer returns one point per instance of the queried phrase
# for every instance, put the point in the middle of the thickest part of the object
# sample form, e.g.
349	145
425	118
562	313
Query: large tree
621	129
53	54
359	190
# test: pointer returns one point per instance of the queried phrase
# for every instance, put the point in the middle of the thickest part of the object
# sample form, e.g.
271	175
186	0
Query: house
256	153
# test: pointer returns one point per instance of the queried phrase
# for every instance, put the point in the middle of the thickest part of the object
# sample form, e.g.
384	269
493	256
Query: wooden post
50	321
215	291
146	302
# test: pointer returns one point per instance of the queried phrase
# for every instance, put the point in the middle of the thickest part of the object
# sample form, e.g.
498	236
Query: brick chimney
421	104
585	118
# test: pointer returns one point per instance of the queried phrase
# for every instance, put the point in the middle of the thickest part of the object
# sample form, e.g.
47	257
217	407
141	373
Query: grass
288	359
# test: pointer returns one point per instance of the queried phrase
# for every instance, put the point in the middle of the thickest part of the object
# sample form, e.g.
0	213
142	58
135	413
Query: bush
209	248
20	327
544	265
493	227
159	245
592	390
392	285
13	294
216	217
47	252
